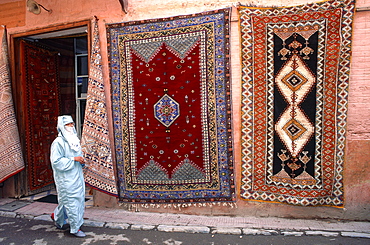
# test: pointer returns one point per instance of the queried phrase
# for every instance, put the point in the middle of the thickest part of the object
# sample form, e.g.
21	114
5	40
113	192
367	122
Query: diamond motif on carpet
295	74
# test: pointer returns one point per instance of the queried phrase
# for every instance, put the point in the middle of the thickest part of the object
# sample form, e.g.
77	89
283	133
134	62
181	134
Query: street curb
200	229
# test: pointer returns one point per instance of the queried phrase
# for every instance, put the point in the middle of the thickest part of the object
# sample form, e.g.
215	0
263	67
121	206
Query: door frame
21	187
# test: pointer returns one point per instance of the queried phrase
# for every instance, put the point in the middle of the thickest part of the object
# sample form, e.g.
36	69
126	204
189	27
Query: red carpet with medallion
171	108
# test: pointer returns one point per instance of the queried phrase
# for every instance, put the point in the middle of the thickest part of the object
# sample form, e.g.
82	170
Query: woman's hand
79	159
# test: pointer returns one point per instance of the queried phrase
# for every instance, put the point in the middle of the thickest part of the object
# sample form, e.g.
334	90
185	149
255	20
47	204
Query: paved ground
122	219
15	231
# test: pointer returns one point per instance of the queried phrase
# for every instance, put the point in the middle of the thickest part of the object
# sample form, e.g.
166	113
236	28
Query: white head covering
69	136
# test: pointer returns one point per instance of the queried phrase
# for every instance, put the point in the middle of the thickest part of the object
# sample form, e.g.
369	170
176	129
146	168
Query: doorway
51	80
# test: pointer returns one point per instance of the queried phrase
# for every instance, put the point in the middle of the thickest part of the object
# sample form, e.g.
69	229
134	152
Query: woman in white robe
67	162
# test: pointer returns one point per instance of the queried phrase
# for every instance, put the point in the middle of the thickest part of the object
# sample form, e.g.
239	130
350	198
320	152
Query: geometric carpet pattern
40	92
11	158
295	75
95	143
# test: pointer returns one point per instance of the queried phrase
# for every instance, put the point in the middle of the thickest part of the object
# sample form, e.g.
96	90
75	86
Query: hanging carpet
95	142
295	74
11	158
41	99
171	108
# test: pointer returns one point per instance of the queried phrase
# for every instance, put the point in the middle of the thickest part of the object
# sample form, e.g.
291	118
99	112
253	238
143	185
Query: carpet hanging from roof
295	74
11	159
95	143
171	108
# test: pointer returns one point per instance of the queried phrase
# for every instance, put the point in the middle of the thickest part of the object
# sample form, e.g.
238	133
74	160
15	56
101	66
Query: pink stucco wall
357	167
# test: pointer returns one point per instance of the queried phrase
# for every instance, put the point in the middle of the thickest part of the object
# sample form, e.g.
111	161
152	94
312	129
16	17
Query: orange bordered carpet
295	74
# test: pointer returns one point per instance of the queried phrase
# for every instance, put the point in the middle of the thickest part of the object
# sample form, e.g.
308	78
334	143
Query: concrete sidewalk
122	219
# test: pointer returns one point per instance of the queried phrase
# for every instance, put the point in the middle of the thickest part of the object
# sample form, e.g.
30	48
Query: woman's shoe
79	233
55	223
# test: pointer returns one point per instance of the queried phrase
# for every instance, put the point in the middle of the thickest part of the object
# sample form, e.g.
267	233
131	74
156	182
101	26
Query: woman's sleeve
58	159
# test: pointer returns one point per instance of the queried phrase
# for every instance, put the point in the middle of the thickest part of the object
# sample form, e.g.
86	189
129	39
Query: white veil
69	135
